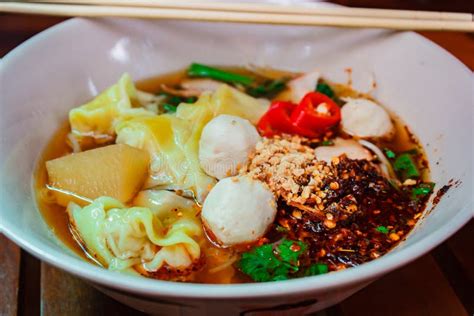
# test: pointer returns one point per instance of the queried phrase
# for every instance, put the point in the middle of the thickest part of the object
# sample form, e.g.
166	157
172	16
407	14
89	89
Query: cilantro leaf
422	189
316	269
389	153
406	166
266	263
324	88
290	251
170	108
259	263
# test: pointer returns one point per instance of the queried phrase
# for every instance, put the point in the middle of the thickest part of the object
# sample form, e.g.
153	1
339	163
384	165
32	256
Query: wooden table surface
440	283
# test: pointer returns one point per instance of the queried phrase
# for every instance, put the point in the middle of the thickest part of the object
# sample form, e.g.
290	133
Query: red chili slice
277	121
316	112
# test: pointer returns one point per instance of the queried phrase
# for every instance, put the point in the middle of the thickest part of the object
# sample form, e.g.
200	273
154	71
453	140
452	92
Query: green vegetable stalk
203	71
268	89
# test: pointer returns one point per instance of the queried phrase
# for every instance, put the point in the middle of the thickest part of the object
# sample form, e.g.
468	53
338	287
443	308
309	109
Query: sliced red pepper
316	112
277	121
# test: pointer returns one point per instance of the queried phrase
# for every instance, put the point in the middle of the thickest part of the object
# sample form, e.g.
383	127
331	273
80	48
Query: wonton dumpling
120	237
98	117
161	201
173	147
226	100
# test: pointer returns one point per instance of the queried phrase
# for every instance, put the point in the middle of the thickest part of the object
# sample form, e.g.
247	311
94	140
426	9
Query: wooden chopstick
239	17
303	9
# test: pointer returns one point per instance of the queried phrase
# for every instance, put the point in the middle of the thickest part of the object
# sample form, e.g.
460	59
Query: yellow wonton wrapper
98	117
121	238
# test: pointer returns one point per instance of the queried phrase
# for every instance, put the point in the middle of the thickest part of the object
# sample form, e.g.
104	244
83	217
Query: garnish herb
316	269
382	229
326	143
266	263
281	229
324	88
169	108
171	102
422	189
389	153
260	263
412	151
203	71
267	89
406	167
289	251
190	100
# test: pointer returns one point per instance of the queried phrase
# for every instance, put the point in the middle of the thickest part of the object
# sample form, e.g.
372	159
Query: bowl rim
152	288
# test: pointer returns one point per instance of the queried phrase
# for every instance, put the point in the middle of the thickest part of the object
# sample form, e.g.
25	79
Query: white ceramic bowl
69	63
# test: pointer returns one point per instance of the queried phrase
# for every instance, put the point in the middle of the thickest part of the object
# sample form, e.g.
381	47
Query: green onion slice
203	71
